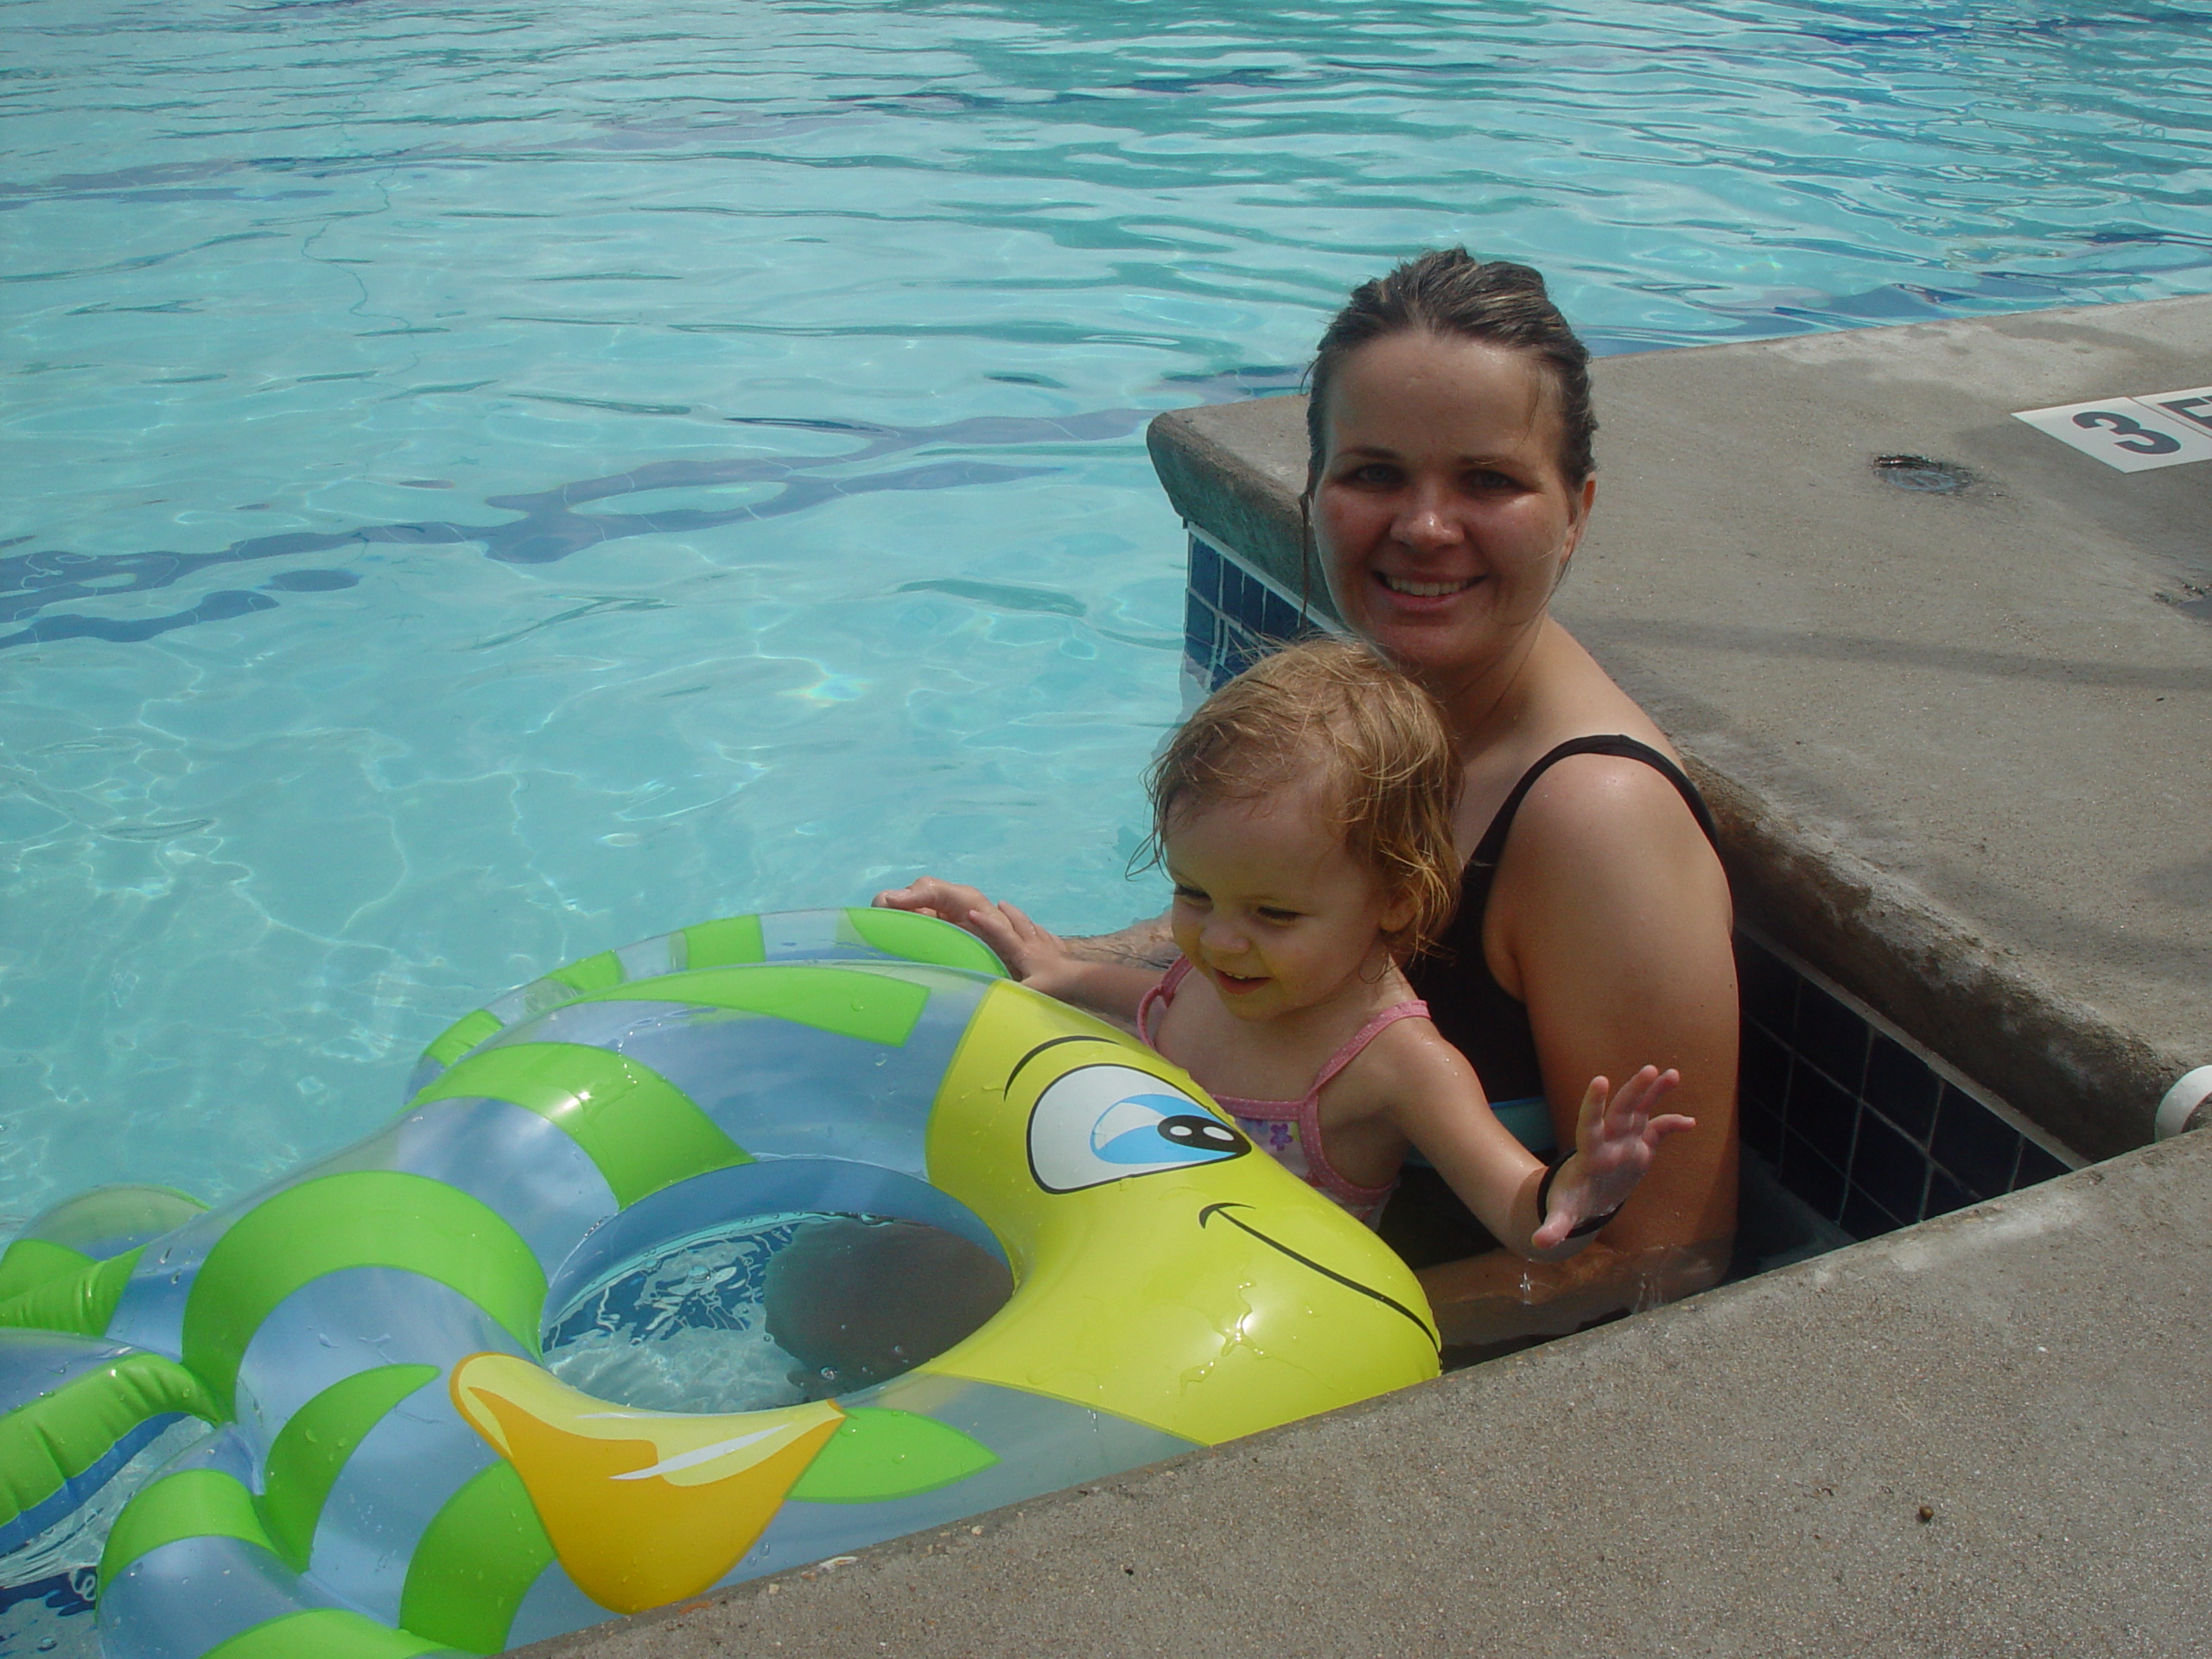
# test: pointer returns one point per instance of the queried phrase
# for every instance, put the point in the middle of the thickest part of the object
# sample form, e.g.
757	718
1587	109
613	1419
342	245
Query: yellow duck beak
642	1507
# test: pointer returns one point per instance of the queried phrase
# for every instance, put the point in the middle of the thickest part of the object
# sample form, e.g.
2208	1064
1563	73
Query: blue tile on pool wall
1811	1177
1762	1068
1864	1218
1944	1195
1890	1168
1766	987
1206	567
1821	1113
1231	602
1760	1128
1198	630
1831	1036
1901	1086
2036	1165
1975	1144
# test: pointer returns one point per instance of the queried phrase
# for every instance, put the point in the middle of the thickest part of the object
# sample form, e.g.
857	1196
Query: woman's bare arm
1610	920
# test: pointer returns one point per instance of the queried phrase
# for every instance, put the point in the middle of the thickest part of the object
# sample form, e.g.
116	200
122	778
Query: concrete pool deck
1959	743
2030	1373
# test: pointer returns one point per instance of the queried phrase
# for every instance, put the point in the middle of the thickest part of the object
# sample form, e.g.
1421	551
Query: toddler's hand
1037	958
948	901
1615	1137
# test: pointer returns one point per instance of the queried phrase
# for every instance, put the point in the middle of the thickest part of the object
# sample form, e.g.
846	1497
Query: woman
1449	482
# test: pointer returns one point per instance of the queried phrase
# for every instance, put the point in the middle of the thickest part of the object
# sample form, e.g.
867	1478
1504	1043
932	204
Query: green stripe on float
78	1305
364	1219
592	974
195	1503
313	1445
879	1453
639	1129
876	1007
49	1441
457	1038
720	944
477	1560
322	1633
32	1262
923	938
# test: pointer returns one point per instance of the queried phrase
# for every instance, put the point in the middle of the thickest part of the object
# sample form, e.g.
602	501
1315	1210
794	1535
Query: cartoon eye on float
1103	1124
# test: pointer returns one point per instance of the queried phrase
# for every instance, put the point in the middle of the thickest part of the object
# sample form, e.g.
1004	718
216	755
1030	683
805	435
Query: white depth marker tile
2133	434
2190	409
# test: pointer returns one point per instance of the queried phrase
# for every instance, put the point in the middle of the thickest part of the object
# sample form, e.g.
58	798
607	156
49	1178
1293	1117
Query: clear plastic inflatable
996	1247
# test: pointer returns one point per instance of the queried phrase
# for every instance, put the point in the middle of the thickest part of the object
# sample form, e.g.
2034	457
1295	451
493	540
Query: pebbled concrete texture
1960	743
1959	747
1744	1473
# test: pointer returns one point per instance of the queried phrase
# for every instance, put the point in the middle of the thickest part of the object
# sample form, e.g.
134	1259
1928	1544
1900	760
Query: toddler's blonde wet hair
1331	708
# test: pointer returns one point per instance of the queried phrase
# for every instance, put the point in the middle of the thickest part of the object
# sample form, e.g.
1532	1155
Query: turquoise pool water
491	481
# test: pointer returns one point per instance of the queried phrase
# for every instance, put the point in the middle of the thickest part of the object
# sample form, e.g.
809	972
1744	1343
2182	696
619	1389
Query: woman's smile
1413	589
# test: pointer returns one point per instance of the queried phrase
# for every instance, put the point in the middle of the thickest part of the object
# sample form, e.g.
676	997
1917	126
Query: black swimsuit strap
1492	845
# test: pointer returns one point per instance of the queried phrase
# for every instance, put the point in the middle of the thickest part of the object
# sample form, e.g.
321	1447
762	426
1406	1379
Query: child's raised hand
1615	1136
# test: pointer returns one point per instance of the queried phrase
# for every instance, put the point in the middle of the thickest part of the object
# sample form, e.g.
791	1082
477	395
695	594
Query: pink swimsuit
1290	1130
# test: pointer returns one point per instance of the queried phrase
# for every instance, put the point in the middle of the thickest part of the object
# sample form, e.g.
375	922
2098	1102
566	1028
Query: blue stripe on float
82	1489
399	1476
554	1607
355	1319
527	1170
181	1599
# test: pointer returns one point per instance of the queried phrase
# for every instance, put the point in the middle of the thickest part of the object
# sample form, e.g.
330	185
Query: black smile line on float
1222	1210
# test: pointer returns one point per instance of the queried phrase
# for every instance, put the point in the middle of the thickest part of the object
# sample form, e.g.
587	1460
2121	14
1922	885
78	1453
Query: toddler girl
1304	814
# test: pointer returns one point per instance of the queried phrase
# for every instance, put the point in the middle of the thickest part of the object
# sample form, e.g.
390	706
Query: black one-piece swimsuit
1426	1223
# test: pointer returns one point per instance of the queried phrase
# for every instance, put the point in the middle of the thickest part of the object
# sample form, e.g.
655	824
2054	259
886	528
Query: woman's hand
1615	1136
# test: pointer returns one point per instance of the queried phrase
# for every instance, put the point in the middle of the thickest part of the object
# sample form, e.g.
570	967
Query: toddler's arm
1108	982
1043	960
1440	1108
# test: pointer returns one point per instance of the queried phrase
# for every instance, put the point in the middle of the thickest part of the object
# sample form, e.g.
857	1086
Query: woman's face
1441	517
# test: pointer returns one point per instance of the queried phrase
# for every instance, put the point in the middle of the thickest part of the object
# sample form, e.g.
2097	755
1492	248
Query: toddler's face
1271	908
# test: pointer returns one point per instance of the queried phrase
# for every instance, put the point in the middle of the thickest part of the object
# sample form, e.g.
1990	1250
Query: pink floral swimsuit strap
1290	1130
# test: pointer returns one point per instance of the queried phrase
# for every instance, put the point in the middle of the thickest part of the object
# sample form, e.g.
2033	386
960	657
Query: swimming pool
491	481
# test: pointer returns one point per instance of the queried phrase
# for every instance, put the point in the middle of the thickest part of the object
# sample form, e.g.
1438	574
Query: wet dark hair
1448	291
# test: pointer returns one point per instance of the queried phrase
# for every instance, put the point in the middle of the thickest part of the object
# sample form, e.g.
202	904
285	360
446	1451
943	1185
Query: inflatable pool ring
390	1470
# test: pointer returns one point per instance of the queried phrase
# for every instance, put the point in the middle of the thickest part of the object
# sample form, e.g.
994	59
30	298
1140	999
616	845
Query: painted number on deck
2133	434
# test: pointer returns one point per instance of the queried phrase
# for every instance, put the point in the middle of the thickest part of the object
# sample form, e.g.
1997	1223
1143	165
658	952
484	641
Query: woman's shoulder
1598	822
